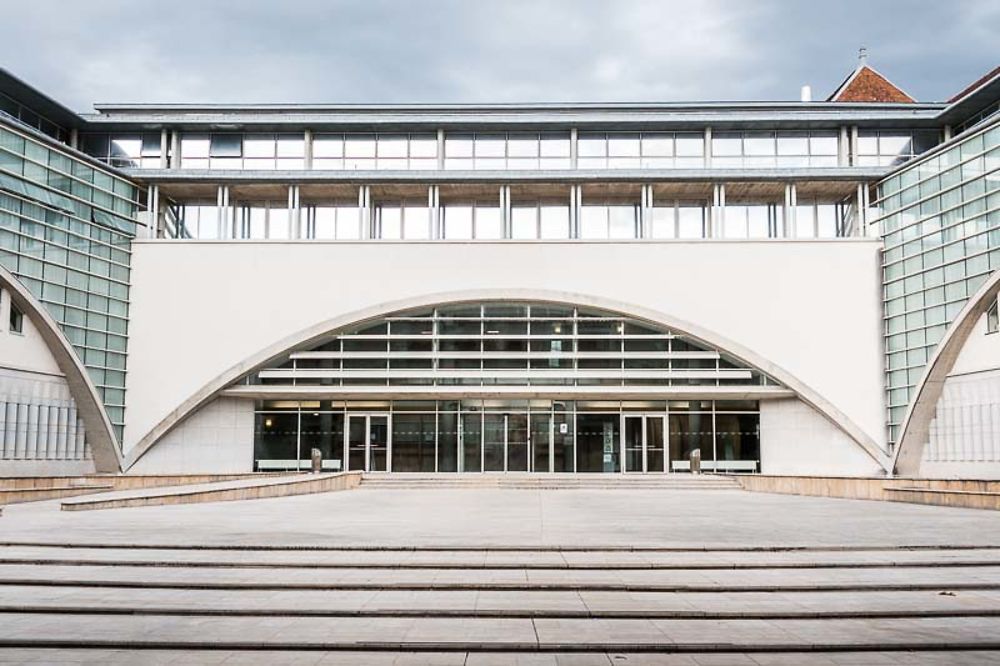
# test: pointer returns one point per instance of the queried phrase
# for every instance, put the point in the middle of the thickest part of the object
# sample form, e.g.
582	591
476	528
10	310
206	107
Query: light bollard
696	461
317	461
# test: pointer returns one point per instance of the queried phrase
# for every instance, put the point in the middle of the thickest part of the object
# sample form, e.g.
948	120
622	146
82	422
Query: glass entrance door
367	442
643	443
517	442
541	443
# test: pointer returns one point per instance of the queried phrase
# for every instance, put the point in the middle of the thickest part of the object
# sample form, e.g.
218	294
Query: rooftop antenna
862	56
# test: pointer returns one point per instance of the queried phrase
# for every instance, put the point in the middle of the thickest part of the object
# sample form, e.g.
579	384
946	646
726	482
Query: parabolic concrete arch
314	334
915	429
100	435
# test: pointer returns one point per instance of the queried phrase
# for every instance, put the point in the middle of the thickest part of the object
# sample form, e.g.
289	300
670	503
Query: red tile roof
867	85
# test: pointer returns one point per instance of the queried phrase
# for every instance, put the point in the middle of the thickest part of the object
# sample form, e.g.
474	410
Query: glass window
457	222
489	223
690	222
524	222
727	144
993	318
16	319
226	145
663	224
416	222
554	221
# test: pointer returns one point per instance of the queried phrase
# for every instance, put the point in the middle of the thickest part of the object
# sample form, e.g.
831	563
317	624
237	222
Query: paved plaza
386	575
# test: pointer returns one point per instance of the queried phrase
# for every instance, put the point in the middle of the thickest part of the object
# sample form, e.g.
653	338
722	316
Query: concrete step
495	634
900	578
349	657
548	481
474	601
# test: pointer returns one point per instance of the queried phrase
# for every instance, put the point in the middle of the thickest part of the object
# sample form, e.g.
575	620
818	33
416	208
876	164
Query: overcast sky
86	51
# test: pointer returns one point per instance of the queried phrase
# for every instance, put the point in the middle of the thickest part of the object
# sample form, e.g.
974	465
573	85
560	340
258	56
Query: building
789	287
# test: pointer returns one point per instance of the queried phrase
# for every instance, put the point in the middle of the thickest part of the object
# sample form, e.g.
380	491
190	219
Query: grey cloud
479	50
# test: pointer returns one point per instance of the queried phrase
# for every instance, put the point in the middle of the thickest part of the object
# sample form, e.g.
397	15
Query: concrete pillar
365	208
854	145
434	210
844	148
646	212
708	147
175	150
294	213
62	444
440	145
505	214
74	139
574	148
308	154
164	148
793	206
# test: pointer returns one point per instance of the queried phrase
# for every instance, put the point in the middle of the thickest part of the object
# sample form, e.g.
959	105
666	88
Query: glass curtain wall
66	228
941	233
512	436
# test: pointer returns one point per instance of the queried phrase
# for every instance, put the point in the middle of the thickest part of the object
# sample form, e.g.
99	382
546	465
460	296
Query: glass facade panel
66	229
938	234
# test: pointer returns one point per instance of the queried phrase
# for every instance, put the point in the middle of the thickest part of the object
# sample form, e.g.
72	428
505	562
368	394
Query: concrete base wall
218	439
796	439
33	468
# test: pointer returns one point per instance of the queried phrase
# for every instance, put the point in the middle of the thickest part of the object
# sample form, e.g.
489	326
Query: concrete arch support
100	435
313	334
915	430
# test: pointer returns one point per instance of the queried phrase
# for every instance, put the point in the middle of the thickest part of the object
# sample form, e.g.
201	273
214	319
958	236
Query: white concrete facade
809	308
965	433
40	430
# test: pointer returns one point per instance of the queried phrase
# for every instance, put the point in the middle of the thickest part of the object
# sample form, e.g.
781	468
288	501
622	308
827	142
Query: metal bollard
317	461
696	461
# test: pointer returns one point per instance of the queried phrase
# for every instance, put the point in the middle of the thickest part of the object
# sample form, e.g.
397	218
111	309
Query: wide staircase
201	603
524	481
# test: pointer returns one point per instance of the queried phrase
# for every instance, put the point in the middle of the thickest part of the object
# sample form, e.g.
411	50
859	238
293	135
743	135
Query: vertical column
844	148
787	212
79	450
42	445
175	150
71	426
865	204
164	148
365	212
946	133
440	143
505	214
153	211
575	205
434	208
708	147
10	431
853	145
307	157
3	425
793	199
574	148
74	139
62	441
294	213
221	204
792	220
646	212
31	438
21	441
718	216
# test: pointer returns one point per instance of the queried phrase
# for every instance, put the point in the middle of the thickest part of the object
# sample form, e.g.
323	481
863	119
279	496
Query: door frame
367	418
643	418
